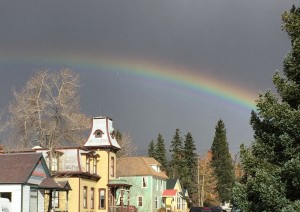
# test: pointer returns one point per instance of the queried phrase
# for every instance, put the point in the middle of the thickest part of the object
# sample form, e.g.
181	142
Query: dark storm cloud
239	41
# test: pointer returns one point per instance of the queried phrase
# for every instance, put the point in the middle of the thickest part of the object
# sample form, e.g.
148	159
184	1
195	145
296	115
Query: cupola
102	134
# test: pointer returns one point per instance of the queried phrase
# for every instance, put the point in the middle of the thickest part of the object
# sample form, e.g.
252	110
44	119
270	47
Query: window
178	202
98	133
101	198
144	179
161	185
112	135
87	168
33	202
157	183
6	195
85	197
92	198
156	201
94	165
55	199
140	201
54	163
112	166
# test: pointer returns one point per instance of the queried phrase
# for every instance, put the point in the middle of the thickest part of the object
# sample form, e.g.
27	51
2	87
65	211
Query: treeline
209	179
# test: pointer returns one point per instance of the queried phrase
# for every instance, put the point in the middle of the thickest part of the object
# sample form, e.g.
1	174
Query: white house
25	180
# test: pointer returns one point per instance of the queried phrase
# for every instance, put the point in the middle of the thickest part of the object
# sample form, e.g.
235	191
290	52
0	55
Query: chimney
1	149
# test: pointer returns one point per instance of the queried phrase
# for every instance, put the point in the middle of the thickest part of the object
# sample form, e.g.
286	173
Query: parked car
217	209
200	209
5	205
235	209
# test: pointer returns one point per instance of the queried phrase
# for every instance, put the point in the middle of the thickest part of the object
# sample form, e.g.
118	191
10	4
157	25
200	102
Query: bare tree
208	182
47	111
128	148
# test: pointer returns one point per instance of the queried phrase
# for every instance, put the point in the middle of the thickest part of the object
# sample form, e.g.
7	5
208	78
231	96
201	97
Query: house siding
26	197
15	195
147	193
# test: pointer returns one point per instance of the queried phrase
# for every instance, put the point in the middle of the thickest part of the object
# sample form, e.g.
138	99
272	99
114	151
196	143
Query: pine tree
177	161
160	155
222	163
271	180
189	170
151	149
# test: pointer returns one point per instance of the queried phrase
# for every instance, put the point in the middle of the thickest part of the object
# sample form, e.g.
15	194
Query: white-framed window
178	202
87	164
140	201
54	164
112	166
101	198
84	197
144	182
161	185
156	201
95	165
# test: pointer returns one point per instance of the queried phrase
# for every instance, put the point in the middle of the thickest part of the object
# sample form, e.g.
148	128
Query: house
175	197
147	179
90	171
25	180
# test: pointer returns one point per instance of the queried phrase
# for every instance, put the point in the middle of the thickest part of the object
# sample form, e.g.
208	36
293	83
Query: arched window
98	133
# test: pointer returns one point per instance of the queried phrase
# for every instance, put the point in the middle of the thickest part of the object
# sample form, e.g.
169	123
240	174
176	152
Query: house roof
48	183
118	183
171	183
138	166
169	193
17	168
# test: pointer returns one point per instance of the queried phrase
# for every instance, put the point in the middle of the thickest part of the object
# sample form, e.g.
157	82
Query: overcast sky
235	42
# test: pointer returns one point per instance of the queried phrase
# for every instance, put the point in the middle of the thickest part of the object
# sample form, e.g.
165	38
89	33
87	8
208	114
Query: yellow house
175	198
89	170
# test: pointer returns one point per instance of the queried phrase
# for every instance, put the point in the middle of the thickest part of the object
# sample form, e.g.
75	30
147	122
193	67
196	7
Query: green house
147	180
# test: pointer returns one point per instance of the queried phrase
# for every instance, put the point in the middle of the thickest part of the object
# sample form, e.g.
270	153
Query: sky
154	65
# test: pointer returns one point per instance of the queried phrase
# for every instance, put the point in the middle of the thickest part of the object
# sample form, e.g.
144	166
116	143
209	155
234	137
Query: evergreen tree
222	163
177	161
151	149
271	180
160	155
189	170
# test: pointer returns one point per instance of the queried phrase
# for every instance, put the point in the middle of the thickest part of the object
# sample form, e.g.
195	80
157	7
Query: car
235	209
216	209
200	209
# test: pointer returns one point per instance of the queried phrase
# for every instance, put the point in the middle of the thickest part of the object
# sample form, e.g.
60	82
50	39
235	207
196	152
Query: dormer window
98	133
112	134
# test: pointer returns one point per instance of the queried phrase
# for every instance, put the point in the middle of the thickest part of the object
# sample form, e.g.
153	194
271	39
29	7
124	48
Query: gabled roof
171	183
138	166
18	167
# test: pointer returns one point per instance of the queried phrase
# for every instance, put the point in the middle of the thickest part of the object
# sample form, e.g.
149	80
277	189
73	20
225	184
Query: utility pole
198	190
202	191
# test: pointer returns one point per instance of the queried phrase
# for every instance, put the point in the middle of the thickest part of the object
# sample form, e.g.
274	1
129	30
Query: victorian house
147	179
90	171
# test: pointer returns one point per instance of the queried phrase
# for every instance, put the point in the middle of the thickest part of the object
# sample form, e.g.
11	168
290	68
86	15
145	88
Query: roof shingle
16	168
138	166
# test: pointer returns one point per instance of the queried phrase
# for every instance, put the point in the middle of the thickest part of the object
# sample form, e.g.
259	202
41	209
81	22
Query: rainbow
152	71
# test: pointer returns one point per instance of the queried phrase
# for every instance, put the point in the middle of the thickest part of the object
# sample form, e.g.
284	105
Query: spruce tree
271	180
151	149
190	169
160	155
177	161
222	163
